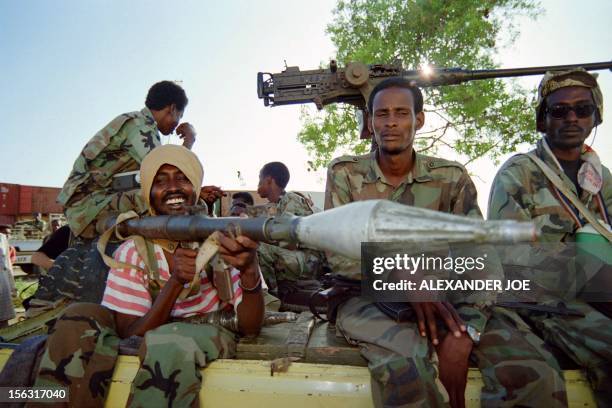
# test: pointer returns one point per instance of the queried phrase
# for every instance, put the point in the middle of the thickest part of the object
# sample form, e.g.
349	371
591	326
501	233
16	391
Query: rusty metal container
44	200
9	199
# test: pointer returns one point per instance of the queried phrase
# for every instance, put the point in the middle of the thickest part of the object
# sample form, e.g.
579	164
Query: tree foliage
479	118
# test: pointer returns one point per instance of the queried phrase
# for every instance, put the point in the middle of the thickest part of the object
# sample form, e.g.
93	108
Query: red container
25	200
9	199
43	200
16	200
7	219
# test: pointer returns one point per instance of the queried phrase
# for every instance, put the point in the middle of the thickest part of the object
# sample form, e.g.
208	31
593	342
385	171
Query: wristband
254	289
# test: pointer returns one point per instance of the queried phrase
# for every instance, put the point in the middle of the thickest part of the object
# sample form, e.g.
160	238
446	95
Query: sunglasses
560	111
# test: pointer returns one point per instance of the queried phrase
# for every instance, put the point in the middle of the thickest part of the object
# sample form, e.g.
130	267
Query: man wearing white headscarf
148	304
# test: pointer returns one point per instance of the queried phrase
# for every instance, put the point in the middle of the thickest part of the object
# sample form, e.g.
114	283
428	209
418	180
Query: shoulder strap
557	182
145	249
105	237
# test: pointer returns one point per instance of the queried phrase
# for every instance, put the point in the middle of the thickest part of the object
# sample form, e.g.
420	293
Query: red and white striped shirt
127	288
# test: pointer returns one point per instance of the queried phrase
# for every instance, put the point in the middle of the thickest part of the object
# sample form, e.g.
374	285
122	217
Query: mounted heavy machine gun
353	83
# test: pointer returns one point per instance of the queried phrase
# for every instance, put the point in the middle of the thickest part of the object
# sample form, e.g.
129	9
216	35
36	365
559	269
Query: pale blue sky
68	67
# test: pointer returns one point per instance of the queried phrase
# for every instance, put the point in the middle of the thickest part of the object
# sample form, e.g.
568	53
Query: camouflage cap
554	80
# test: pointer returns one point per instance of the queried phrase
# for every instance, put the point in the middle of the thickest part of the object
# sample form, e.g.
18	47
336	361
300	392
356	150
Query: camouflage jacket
290	203
294	204
520	191
119	147
433	183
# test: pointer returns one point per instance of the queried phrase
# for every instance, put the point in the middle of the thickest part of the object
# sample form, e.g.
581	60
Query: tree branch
437	139
493	146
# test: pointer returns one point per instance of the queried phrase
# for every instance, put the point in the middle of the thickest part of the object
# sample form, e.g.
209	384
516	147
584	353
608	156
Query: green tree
479	118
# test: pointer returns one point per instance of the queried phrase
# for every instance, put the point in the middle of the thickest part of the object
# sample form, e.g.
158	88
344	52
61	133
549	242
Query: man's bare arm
241	253
42	260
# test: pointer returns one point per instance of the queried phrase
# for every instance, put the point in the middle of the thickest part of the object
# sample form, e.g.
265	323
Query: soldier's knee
403	380
398	369
529	376
171	345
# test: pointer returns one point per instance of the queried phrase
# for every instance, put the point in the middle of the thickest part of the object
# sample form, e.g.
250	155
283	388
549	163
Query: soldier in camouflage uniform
282	265
120	147
88	194
570	104
82	348
516	369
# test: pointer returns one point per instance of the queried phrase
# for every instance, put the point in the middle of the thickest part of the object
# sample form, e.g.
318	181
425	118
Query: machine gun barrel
340	230
353	83
454	76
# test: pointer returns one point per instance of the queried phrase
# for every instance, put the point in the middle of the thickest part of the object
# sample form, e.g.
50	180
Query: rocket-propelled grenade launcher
340	230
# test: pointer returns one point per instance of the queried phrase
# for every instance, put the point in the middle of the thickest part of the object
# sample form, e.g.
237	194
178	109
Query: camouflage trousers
587	341
83	346
281	264
516	368
80	355
78	274
172	356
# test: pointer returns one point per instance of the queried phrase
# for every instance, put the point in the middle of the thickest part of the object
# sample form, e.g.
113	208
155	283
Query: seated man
570	105
409	359
147	304
281	265
240	201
